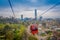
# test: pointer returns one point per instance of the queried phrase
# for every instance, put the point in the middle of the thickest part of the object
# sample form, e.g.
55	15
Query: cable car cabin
34	29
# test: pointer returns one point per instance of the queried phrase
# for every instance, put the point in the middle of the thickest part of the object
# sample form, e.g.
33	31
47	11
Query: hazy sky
26	7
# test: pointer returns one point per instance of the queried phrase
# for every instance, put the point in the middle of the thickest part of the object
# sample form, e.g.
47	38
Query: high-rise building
40	18
35	14
21	17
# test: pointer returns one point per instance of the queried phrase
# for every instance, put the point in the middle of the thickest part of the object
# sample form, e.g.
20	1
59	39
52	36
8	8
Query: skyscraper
40	18
35	14
21	17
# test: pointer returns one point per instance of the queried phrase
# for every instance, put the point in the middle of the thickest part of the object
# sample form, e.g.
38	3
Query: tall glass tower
21	17
35	14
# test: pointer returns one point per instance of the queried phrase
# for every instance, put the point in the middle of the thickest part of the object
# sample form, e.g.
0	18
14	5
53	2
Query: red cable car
34	29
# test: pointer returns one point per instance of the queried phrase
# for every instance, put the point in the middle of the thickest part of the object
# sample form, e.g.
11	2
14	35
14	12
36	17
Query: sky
27	7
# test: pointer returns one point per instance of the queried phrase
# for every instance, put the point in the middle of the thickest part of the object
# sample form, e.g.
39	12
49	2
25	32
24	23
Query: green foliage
49	32
22	30
43	34
48	38
31	37
19	33
1	26
9	35
58	30
14	25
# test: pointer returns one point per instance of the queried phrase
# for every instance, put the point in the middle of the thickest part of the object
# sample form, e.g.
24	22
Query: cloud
28	11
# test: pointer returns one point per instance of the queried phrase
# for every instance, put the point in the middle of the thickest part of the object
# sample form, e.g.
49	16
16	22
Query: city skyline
27	7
